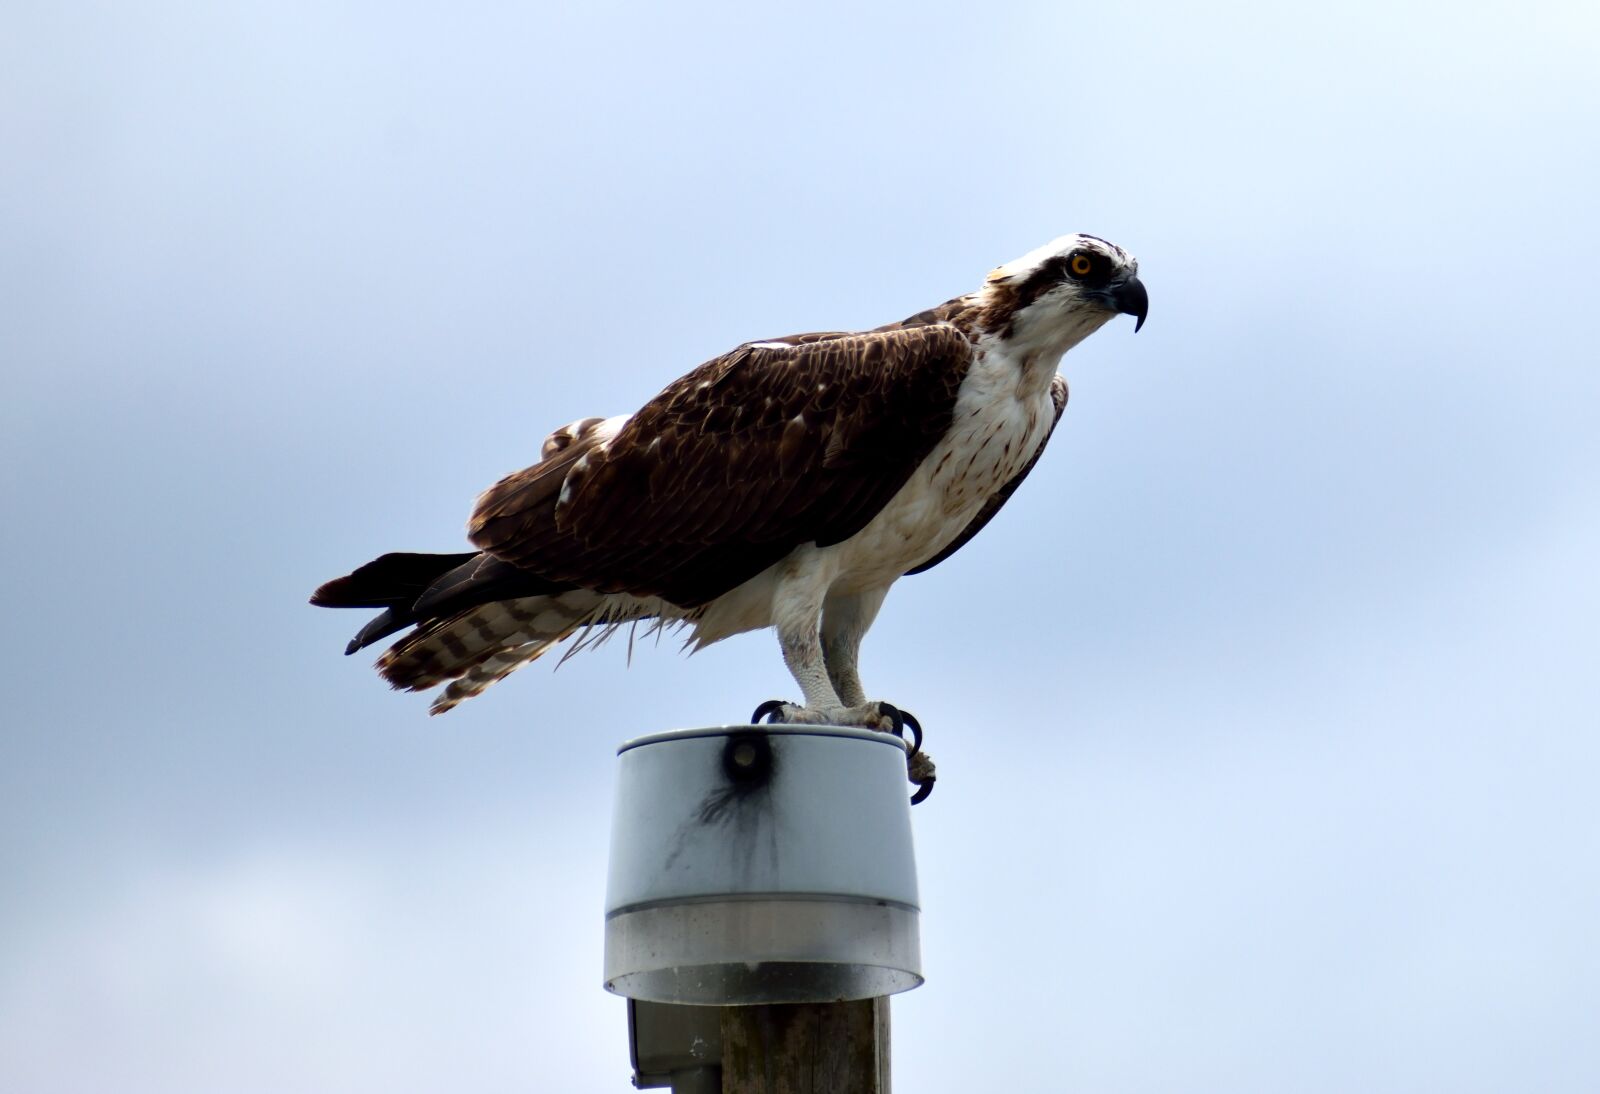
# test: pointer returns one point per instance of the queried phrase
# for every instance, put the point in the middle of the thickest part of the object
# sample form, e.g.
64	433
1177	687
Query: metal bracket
675	1046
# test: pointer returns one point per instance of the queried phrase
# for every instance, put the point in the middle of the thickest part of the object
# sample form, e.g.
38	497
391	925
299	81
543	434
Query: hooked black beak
1129	298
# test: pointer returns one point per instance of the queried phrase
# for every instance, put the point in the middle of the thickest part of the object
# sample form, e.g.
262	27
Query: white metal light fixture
762	864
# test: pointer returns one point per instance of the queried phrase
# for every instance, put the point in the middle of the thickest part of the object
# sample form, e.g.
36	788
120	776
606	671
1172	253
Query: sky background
1266	714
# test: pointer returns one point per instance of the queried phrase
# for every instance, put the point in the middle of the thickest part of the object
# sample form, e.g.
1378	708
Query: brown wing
730	468
1058	396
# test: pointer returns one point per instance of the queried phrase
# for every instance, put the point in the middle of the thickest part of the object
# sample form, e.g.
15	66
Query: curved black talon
768	710
916	731
904	720
896	717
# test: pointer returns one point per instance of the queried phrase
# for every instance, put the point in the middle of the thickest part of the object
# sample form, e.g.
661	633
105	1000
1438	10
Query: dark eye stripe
1057	269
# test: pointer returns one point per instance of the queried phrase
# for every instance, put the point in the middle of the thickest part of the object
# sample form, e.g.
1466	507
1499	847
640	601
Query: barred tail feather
493	668
485	644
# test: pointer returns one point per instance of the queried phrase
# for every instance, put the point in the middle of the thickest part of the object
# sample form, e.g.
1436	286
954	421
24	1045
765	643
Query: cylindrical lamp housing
762	864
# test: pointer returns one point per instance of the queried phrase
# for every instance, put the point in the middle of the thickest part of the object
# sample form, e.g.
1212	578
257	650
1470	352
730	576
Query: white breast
1002	416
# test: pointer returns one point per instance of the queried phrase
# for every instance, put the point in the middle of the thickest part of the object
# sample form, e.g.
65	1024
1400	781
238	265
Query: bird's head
1058	295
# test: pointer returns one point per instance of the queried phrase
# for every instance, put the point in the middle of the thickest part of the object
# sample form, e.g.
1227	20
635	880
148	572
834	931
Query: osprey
786	484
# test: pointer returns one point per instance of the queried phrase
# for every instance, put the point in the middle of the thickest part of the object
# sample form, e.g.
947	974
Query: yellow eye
1079	265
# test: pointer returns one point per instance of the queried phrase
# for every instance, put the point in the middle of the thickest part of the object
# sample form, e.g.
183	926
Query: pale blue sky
1266	714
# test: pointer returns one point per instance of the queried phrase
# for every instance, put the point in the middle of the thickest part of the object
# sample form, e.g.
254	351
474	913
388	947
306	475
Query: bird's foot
920	770
871	715
884	717
776	712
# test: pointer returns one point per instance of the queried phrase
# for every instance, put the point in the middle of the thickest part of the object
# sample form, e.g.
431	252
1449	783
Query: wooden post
806	1048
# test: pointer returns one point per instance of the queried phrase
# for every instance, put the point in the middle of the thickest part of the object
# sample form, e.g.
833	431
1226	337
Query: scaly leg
845	619
796	619
824	664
